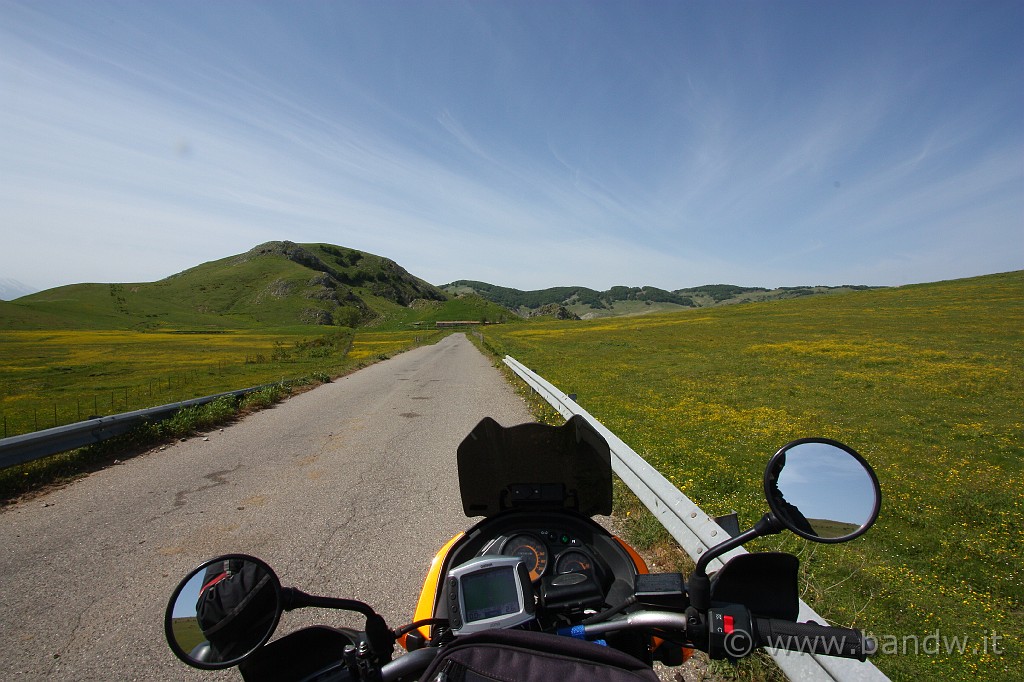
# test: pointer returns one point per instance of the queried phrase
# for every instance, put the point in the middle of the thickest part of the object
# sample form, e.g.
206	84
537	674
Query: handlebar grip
813	638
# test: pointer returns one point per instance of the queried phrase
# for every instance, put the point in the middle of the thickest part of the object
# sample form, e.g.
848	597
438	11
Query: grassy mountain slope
622	300
277	284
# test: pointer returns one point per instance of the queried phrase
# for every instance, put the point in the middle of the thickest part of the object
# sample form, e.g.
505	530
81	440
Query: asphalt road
347	490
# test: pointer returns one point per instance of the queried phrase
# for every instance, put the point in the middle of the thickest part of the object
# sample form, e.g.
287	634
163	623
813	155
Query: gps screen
490	593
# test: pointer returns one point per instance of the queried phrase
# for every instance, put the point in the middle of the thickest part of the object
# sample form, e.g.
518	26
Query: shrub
264	397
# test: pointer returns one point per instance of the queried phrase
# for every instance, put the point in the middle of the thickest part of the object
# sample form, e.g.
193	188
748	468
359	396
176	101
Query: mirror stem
292	598
699	585
767	525
379	636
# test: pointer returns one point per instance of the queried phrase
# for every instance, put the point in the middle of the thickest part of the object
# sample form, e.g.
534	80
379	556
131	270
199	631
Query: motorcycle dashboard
548	544
548	551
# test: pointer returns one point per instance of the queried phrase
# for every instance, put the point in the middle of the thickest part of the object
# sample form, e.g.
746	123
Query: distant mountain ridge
275	284
584	302
283	284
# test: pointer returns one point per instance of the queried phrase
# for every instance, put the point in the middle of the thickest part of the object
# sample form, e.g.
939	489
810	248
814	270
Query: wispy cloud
534	146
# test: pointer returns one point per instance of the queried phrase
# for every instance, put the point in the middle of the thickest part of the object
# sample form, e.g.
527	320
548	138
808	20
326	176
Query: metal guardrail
695	531
38	444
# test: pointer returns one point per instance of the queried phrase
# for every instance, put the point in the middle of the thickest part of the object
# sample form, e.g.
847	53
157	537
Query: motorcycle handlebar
640	620
813	638
770	632
410	664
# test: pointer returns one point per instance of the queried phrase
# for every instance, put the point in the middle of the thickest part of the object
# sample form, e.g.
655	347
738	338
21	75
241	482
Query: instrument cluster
548	552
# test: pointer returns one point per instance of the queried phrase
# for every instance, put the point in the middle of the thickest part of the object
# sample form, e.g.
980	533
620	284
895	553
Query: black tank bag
512	655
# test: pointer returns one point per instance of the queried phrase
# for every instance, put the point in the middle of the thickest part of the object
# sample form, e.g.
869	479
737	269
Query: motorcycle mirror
223	611
822	490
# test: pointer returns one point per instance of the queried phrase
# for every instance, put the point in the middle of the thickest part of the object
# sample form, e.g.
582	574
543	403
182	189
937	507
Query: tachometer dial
531	549
574	561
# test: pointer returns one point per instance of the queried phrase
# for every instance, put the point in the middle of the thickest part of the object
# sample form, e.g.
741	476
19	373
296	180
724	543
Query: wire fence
34	415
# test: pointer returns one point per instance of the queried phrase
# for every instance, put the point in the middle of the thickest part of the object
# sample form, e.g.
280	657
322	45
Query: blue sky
528	144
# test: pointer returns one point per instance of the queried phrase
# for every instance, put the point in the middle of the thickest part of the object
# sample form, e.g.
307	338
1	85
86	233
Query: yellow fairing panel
431	584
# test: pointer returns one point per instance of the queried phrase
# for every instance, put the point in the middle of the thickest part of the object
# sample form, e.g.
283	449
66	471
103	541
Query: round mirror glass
223	611
822	490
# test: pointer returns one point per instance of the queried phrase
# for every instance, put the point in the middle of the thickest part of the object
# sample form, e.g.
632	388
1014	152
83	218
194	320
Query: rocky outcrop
559	312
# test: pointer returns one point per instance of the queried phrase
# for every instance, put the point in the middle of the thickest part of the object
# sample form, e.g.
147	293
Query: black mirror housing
223	611
822	490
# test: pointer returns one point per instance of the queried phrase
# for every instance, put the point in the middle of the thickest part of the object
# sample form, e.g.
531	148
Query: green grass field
50	378
187	633
925	381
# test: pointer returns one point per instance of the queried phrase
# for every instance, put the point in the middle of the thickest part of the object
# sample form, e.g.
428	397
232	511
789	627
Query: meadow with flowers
55	376
925	381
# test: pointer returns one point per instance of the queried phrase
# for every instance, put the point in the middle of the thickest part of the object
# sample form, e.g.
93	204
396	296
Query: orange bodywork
428	595
638	561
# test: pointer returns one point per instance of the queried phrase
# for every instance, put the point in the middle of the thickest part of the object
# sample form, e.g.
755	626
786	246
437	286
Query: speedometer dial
531	549
574	561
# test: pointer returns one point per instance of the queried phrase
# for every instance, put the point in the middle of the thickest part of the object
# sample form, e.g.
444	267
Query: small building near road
442	324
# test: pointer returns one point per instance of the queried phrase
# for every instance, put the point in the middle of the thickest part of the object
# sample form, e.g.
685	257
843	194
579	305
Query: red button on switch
727	620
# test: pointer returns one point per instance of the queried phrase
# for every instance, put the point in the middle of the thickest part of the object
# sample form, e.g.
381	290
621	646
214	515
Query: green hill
621	300
277	284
